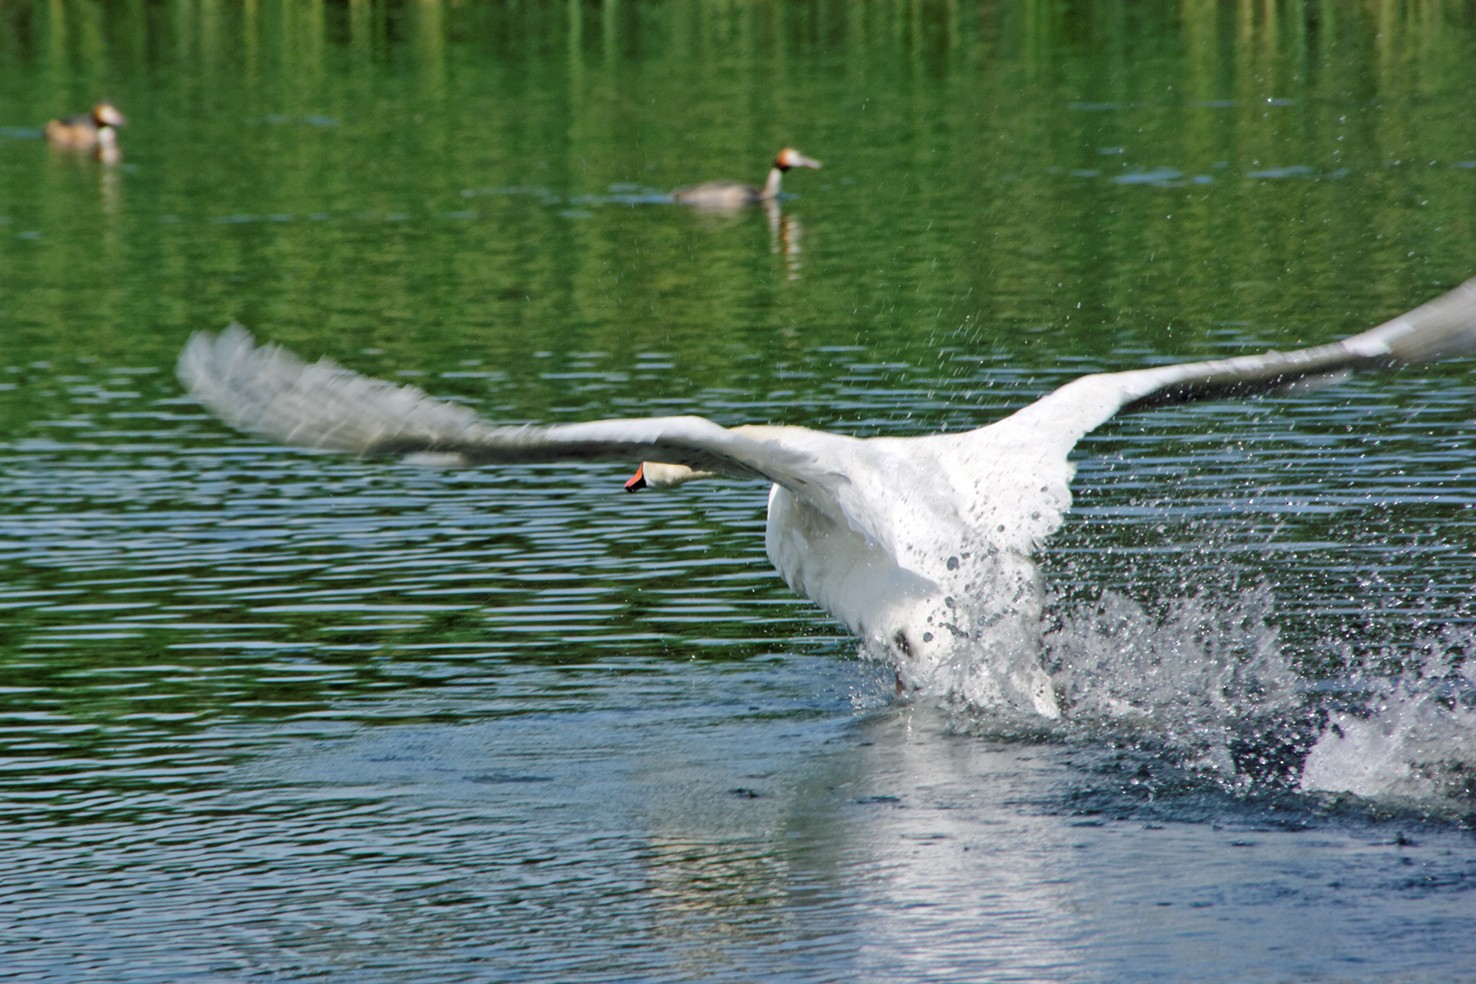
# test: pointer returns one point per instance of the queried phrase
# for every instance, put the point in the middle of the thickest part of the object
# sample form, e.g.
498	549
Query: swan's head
789	157
657	475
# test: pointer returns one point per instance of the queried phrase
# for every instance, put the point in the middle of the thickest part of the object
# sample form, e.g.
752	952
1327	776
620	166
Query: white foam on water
1207	679
1413	737
1189	676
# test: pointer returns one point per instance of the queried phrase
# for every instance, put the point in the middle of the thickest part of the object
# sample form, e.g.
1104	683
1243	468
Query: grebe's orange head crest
106	114
789	157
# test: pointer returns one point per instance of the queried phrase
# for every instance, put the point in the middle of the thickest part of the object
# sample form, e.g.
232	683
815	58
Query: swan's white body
921	546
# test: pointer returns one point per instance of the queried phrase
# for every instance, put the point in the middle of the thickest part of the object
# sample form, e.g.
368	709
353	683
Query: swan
923	547
735	194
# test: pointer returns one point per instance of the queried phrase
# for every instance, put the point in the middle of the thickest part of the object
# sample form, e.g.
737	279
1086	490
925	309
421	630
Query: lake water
274	716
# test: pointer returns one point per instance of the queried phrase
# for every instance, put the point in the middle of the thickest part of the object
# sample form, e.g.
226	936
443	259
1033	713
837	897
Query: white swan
921	546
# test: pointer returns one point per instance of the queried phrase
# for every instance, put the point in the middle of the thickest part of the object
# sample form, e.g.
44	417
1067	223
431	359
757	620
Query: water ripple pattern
269	716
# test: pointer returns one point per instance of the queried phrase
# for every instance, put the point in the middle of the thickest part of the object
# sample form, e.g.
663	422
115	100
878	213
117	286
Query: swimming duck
922	546
735	194
95	131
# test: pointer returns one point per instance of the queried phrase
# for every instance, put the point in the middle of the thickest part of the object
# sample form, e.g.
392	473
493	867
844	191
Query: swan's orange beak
637	481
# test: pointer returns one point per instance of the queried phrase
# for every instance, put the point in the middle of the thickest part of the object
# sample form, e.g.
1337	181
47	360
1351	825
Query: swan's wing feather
267	391
1025	454
1440	329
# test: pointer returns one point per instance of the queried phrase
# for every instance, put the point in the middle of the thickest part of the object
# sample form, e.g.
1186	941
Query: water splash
1206	681
1205	678
1412	735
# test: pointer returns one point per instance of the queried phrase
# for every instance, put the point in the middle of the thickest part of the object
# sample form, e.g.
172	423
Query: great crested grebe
95	131
922	546
735	194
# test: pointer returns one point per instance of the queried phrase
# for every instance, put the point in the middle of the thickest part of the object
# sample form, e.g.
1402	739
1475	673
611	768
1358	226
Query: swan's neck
659	475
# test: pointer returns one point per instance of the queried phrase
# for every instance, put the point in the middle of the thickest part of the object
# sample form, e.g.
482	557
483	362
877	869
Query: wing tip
206	354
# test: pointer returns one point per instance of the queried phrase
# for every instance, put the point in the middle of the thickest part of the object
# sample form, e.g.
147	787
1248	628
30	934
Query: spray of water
1200	677
1206	680
1409	735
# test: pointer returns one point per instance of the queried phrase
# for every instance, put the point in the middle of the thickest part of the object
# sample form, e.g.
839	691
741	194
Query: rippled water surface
269	715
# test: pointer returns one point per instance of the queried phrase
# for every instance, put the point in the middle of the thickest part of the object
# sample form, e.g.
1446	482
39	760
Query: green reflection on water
1012	191
201	638
443	180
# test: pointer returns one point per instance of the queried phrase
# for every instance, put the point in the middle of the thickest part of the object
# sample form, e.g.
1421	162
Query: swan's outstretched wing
267	391
1440	329
1023	459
